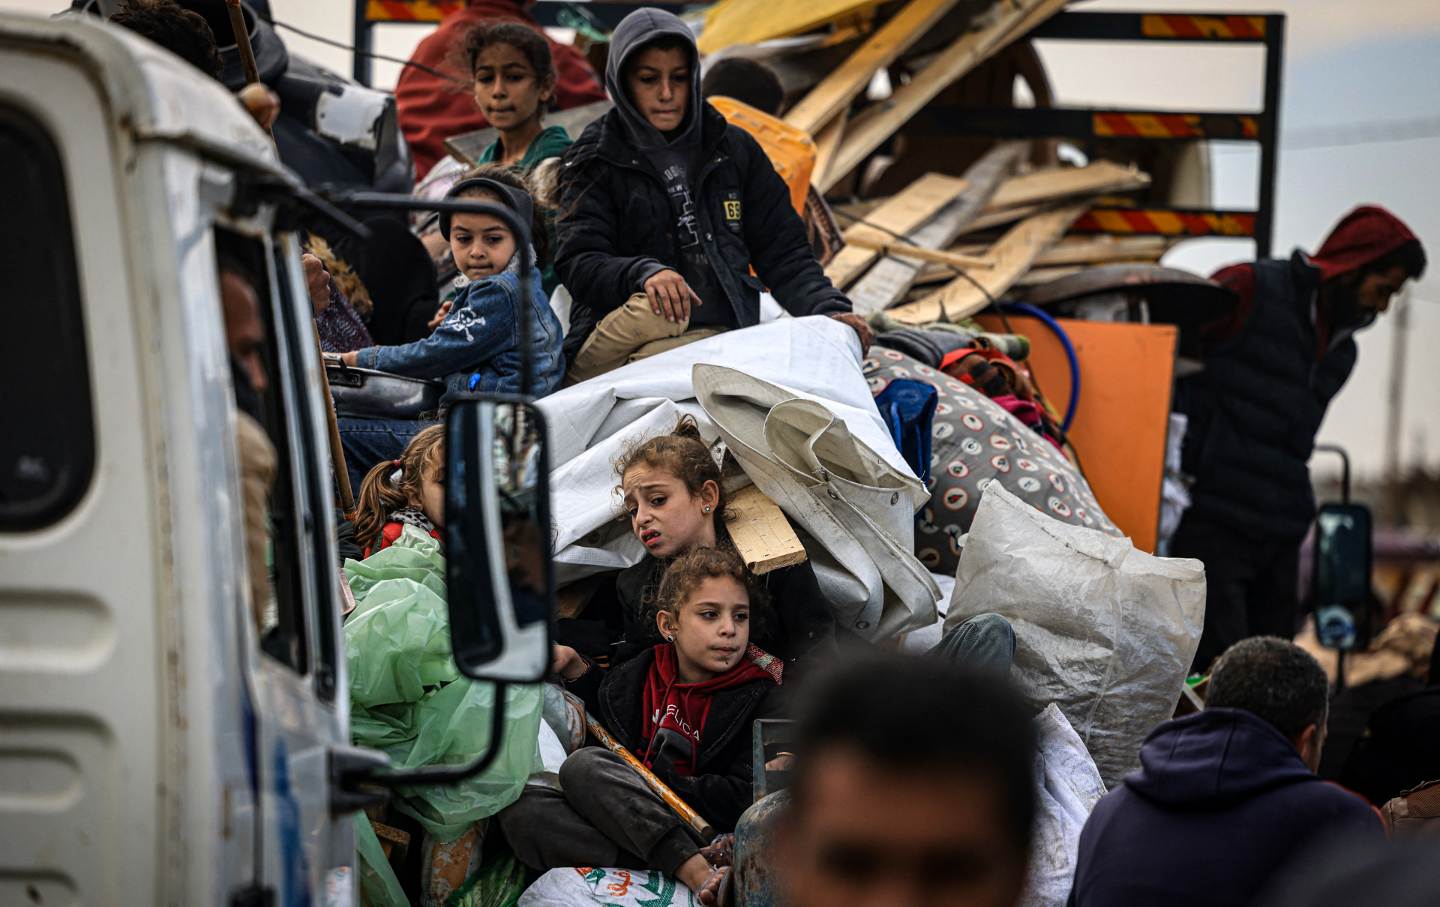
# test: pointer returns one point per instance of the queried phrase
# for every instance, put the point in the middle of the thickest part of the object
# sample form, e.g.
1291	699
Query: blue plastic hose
1025	308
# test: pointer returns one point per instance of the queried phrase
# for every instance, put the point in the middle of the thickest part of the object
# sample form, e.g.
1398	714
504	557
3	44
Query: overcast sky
1348	62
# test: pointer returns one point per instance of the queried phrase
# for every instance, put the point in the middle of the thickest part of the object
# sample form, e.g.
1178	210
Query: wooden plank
872	128
906	210
1055	183
920	253
761	532
833	95
1014	254
889	281
827	142
1088	250
733	22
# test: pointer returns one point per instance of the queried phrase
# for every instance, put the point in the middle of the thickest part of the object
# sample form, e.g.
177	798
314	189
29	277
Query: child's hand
671	296
317	282
780	763
351	358
440	314
568	663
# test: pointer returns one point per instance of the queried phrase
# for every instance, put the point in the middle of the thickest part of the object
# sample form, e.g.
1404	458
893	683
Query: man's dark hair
1410	256
184	33
923	715
748	81
1273	679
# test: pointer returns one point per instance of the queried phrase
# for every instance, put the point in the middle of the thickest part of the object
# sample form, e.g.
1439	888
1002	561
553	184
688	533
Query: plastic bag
1102	629
1067	787
408	700
587	887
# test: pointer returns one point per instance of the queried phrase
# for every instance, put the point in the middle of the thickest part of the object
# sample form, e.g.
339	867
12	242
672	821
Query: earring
707	508
670	638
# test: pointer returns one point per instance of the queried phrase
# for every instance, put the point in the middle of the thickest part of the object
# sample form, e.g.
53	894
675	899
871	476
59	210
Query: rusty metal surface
754	871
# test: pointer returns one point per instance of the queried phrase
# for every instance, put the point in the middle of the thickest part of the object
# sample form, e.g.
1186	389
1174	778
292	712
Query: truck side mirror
499	572
1344	554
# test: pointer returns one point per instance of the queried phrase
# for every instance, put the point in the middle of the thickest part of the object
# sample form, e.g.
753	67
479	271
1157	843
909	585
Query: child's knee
586	766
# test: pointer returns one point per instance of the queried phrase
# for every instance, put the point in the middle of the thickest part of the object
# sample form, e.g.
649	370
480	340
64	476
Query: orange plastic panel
1126	371
790	150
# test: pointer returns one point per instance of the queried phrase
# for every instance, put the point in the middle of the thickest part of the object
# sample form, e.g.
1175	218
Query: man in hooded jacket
1272	367
1225	797
696	205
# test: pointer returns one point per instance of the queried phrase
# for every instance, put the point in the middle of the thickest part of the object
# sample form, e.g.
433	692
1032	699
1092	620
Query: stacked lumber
946	245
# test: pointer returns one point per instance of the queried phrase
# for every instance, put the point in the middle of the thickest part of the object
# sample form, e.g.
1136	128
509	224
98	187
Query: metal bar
1150	221
1124	26
1270	134
1088	123
363	41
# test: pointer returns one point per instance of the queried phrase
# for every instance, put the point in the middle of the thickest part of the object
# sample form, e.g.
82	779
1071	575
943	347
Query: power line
1370	132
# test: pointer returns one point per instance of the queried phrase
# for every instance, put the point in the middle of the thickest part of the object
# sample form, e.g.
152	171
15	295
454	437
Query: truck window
262	393
47	451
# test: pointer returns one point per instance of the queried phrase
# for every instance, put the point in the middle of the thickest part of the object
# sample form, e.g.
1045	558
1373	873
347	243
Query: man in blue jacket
1224	797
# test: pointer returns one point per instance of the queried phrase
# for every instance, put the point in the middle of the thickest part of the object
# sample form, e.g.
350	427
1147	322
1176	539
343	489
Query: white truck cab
155	746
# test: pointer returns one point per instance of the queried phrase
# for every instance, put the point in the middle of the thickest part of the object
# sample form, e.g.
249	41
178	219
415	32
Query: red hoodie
1366	234
432	110
674	712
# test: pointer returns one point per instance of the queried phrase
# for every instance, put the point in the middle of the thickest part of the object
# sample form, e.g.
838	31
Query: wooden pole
682	809
906	250
337	452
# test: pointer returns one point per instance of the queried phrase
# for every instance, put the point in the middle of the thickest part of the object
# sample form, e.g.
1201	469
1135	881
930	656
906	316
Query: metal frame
606	13
1261	127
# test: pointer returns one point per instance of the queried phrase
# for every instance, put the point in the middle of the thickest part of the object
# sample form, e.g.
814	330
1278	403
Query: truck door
305	854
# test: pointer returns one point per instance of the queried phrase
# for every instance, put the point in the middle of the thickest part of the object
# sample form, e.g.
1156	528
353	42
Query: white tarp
591	424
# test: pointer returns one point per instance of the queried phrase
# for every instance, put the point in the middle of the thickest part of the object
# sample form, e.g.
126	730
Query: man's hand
351	358
568	663
441	314
671	296
860	326
317	282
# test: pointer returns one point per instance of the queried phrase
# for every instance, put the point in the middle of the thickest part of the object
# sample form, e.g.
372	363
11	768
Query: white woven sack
1102	629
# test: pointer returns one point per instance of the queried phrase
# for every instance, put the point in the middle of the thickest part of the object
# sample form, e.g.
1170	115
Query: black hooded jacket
616	226
1221	801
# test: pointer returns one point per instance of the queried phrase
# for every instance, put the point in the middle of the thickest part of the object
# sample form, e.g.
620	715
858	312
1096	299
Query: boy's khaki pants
629	334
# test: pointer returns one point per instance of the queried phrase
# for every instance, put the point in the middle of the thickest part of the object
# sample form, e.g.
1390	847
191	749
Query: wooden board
752	21
889	281
1098	250
1123	418
827	141
906	210
833	95
872	128
761	532
1013	255
1055	183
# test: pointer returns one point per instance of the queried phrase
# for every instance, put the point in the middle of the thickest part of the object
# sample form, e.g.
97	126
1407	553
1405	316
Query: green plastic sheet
408	700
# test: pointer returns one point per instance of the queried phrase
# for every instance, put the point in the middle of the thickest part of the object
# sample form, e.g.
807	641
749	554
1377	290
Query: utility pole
1395	404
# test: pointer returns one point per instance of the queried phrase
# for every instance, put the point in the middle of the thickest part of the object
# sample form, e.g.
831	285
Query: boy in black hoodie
664	209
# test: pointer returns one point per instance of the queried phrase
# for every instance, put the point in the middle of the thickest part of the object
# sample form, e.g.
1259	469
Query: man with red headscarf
1271	369
432	109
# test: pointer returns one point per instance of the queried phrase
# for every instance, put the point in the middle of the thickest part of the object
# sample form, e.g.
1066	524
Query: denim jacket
480	339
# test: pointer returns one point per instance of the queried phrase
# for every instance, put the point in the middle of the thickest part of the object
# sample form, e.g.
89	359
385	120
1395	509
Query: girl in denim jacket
476	345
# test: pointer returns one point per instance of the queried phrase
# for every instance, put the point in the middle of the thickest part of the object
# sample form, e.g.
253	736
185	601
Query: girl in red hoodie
407	491
685	708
